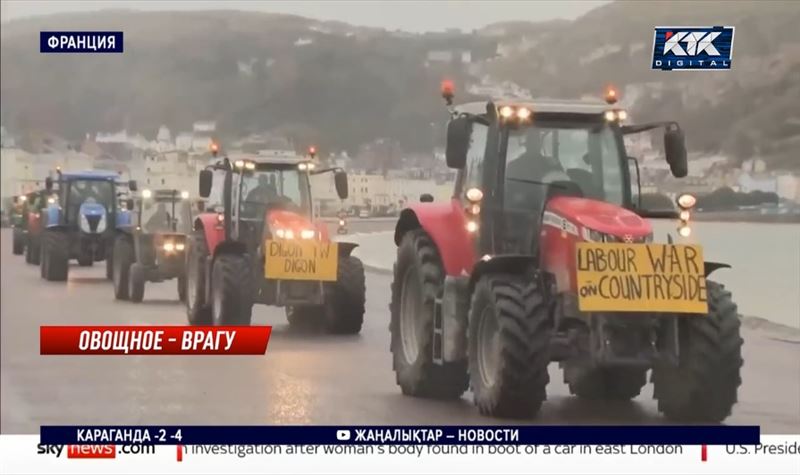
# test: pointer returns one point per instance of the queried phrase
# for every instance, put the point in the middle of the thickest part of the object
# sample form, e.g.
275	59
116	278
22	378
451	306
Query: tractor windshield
585	155
286	188
159	216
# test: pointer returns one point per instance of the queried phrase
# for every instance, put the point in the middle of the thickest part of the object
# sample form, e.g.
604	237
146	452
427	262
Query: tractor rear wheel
18	245
55	256
418	280
509	341
609	384
231	296
704	385
33	251
345	312
123	256
198	311
136	280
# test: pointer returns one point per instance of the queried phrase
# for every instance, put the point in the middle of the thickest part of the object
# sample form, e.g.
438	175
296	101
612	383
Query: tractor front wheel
418	280
231	299
123	256
136	280
198	311
345	313
18	245
182	287
509	339
704	385
55	256
33	251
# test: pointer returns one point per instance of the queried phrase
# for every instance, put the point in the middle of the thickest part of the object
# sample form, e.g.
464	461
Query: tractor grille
93	221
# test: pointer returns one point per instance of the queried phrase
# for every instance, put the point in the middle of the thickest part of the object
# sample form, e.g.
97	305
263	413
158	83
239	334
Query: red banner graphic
147	340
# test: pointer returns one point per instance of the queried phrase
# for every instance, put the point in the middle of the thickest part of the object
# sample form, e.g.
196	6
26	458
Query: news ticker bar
153	340
401	435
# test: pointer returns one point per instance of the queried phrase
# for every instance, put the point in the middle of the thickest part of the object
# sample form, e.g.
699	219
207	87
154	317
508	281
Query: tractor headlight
686	201
685	230
169	246
308	234
284	233
341	222
184	195
180	246
146	194
250	165
472	226
610	116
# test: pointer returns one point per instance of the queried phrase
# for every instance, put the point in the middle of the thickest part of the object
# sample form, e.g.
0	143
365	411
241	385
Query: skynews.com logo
693	48
93	451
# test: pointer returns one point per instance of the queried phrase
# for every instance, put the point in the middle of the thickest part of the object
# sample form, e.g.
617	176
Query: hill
342	86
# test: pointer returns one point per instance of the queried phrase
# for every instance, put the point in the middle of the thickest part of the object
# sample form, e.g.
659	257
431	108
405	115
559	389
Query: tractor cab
270	197
547	160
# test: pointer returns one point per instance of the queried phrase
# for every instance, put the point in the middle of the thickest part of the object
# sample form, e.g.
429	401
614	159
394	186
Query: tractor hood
600	216
92	217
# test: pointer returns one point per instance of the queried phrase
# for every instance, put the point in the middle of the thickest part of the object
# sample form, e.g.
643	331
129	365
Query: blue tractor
81	221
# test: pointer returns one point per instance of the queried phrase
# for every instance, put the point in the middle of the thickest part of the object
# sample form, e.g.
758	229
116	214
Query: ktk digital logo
693	48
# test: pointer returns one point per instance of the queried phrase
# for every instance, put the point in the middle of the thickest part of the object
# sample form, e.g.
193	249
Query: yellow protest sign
301	260
619	277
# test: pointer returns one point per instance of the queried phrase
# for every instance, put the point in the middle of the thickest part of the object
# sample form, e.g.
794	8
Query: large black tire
109	251
18	244
418	280
124	257
55	256
509	346
605	384
231	290
86	261
704	386
33	251
198	310
347	298
136	280
182	287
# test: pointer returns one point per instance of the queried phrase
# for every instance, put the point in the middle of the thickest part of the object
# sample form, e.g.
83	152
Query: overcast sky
406	15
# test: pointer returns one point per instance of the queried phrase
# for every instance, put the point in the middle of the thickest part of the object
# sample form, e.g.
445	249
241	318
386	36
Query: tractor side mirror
48	184
201	206
206	177
458	132
426	198
16	199
132	185
675	150
340	180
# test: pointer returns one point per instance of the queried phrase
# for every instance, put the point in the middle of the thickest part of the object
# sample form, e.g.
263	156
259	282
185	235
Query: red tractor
543	255
256	243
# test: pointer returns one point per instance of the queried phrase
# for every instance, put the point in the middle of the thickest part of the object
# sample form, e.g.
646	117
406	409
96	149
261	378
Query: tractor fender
345	248
207	222
505	263
710	266
446	224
